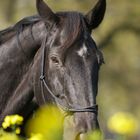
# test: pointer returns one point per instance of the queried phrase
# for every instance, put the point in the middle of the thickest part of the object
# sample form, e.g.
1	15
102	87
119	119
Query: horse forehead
82	50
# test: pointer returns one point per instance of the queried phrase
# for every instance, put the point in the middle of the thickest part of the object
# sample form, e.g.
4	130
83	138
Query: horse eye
55	59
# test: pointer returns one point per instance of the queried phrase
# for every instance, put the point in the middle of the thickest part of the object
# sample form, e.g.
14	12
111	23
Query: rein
70	108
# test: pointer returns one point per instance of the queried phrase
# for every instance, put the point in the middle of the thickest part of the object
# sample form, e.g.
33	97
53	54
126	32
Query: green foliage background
118	37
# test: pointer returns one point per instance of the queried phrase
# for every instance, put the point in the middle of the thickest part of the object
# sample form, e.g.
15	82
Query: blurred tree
9	11
126	26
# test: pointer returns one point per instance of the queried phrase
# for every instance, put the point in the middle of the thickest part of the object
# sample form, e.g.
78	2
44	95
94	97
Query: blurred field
118	37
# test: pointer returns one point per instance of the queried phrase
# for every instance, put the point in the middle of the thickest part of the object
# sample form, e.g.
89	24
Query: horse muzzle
78	125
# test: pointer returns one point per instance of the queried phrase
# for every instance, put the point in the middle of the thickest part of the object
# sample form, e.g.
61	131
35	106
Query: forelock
73	27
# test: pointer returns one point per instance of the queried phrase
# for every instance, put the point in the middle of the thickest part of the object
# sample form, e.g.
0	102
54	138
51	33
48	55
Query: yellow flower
7	119
123	123
95	135
8	136
12	120
36	137
7	122
5	125
16	120
47	121
18	130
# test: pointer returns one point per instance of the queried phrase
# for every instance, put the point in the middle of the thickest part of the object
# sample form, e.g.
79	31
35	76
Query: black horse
52	58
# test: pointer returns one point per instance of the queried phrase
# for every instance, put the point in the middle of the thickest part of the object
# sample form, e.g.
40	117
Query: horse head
70	64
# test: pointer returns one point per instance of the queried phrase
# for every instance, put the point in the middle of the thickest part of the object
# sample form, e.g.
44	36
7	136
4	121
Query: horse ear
45	12
95	16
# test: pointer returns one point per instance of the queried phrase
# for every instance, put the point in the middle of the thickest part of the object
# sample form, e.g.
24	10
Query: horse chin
76	127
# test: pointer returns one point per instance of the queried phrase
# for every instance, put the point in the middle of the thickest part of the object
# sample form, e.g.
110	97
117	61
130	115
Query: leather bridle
70	108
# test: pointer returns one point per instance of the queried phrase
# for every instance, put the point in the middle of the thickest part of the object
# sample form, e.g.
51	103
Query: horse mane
73	26
7	33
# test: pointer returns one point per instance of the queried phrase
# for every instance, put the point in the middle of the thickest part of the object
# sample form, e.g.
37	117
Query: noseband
70	108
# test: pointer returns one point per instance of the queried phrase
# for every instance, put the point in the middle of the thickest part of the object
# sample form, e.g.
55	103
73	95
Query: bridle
70	108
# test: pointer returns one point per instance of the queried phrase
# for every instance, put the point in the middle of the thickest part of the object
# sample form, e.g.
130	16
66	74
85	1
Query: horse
52	58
